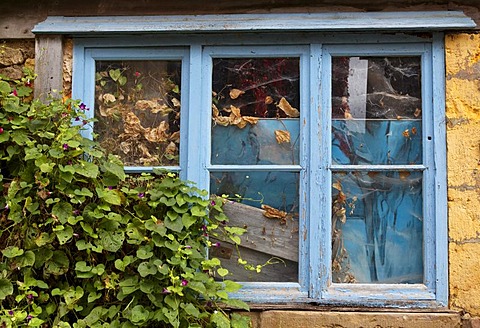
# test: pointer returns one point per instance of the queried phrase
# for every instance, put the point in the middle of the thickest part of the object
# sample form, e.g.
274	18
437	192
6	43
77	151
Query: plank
338	21
48	65
266	240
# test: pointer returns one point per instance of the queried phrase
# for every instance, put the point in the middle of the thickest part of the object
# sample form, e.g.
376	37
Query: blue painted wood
440	170
315	169
346	21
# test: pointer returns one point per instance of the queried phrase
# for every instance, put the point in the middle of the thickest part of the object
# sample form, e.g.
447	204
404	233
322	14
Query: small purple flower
28	83
69	162
29	317
137	74
6	207
83	107
184	282
217	244
188	247
84	122
77	118
204	227
65	146
141	195
30	296
110	188
209	304
64	114
14	93
165	291
76	212
213	203
11	312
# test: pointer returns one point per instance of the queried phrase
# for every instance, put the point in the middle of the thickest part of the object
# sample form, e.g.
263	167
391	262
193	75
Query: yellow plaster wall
463	156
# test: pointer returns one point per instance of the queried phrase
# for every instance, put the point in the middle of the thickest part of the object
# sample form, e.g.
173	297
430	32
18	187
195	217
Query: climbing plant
85	245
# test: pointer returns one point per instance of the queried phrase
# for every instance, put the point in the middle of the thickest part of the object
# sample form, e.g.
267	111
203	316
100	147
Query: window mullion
198	120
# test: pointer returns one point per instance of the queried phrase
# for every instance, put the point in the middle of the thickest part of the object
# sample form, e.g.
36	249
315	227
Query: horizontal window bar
292	168
378	167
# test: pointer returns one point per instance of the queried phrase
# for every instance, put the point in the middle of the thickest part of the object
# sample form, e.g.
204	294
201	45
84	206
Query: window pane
269	211
255	111
376	110
138	110
377	227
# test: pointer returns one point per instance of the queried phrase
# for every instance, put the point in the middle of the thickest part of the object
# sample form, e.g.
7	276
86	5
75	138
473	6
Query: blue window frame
400	175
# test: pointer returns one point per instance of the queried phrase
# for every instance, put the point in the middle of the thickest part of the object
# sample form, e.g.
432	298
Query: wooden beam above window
341	21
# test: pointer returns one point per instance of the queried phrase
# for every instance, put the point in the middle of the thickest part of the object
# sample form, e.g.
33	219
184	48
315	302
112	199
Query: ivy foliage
84	245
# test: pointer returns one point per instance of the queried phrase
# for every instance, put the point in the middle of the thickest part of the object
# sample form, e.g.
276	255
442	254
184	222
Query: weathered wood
340	21
48	65
271	236
266	240
16	21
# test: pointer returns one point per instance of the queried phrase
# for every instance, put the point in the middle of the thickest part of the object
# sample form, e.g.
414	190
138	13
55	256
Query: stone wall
15	55
463	148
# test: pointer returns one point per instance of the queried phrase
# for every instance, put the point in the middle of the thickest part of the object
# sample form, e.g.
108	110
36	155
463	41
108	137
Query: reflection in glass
255	111
377	227
255	114
377	221
137	105
268	209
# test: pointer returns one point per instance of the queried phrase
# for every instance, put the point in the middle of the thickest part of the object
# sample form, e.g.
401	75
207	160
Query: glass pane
255	111
392	142
137	105
377	227
376	110
268	209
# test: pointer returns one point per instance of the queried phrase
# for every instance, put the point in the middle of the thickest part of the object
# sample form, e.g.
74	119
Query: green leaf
58	264
109	196
122	80
144	252
44	239
175	225
231	286
190	309
87	169
12	251
64	235
116	169
111	241
188	220
139	314
114	74
27	259
198	211
147	268
122	264
20	137
240	321
62	211
147	286
6	288
5	88
222	272
82	266
235	303
219	319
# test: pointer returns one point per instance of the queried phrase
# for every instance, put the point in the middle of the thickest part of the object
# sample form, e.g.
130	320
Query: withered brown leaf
282	136
235	93
285	106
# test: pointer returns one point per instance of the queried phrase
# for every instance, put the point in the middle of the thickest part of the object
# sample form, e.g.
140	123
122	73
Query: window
335	144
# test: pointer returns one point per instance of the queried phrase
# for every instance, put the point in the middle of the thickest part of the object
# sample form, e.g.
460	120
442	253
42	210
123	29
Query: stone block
10	56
